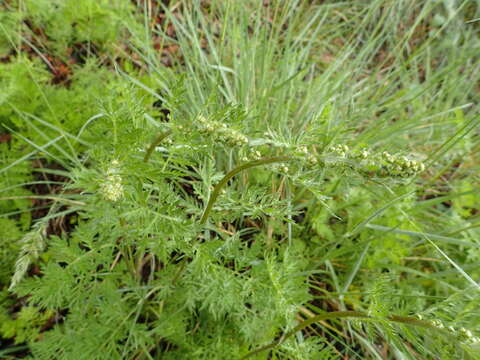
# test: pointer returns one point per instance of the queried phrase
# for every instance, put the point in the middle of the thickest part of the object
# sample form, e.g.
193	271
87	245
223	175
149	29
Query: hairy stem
232	173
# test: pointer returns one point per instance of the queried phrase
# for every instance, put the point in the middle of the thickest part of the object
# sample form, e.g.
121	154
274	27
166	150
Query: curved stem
155	143
232	173
338	315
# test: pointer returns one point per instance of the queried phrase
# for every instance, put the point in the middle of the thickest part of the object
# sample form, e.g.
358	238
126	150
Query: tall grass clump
249	180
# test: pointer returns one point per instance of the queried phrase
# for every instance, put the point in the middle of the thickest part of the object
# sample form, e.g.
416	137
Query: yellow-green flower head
221	132
112	187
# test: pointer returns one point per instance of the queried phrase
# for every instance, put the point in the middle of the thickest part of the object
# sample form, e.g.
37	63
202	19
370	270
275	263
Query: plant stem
155	143
46	197
338	315
232	173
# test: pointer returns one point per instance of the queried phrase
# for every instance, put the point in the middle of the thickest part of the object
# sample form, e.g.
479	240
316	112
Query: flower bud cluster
112	188
401	165
340	150
221	132
284	169
302	150
381	165
363	161
251	156
462	334
467	336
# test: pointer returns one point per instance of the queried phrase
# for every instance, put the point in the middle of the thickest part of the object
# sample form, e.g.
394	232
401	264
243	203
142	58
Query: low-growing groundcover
239	179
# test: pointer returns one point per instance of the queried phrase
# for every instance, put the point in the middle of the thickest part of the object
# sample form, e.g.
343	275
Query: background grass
385	269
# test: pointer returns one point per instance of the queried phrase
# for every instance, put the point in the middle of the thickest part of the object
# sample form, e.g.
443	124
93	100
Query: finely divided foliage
239	179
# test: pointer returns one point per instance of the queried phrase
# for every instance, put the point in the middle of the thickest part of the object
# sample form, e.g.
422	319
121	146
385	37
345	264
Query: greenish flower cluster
303	151
252	155
341	156
221	132
112	188
462	334
378	164
467	336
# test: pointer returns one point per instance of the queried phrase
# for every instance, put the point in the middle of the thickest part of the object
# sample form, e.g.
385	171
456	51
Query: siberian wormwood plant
266	197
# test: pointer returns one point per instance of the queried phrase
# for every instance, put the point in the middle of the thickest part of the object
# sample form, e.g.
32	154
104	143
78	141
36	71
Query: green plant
299	184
